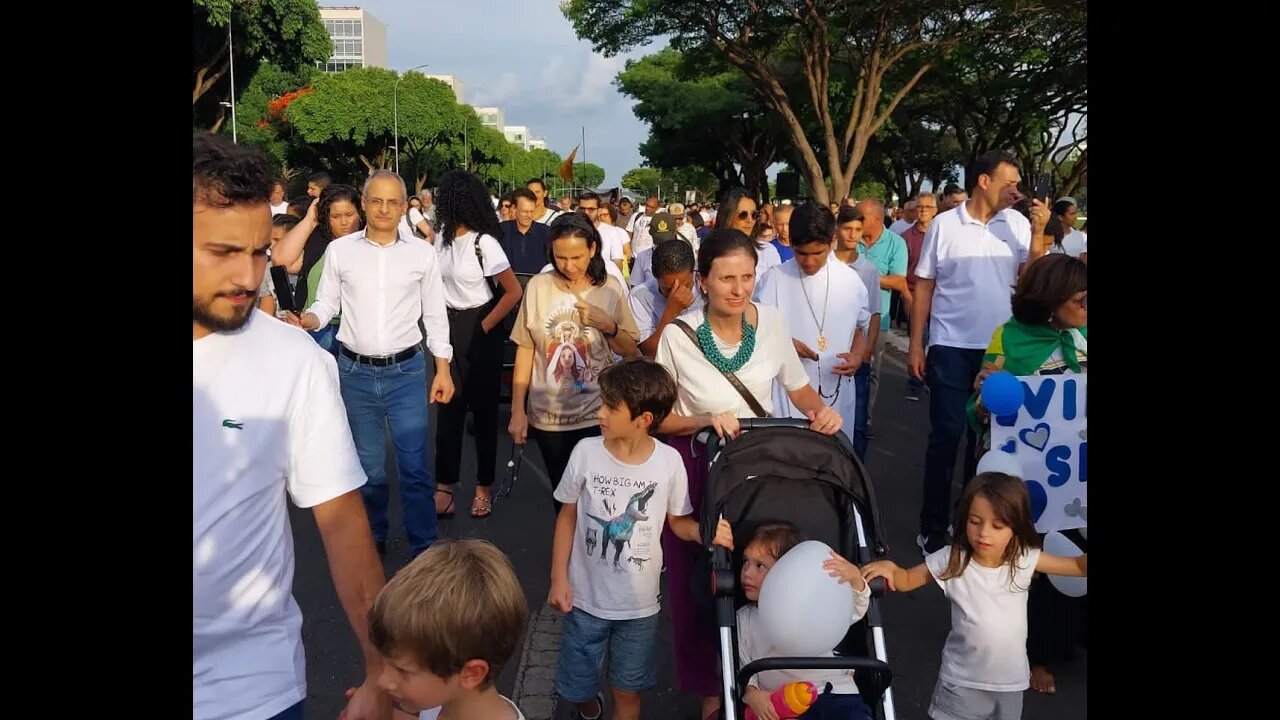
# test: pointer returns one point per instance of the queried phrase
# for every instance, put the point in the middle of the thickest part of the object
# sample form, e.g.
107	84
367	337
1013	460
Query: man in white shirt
267	420
909	217
539	190
641	240
684	228
968	267
279	206
383	283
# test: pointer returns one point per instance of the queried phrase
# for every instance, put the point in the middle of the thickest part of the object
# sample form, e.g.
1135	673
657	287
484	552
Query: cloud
580	88
505	89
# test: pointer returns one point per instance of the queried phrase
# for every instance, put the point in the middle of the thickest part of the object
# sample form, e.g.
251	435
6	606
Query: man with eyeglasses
383	283
524	240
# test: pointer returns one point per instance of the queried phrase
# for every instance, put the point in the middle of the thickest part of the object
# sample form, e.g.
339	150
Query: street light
226	104
231	58
395	103
466	159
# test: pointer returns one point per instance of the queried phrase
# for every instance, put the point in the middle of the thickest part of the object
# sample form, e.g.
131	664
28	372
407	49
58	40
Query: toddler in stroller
773	480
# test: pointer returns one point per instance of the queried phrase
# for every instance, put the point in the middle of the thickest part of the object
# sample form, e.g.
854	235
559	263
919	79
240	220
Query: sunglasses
754	215
504	206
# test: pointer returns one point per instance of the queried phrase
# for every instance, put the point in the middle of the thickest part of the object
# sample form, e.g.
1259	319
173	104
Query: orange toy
791	700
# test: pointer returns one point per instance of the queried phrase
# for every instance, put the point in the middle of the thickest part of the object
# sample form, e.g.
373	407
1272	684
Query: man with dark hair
641	240
317	183
298	206
952	195
524	240
382	284
848	235
267	420
968	266
539	189
663	297
625	209
825	305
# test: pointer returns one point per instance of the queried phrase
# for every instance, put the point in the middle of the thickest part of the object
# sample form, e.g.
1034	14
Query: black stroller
778	469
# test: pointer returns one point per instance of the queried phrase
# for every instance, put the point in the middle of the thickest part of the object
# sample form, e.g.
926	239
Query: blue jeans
395	395
950	372
293	712
327	338
861	386
583	640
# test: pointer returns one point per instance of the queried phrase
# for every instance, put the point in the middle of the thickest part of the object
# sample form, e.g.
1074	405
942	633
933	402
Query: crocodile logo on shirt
229	423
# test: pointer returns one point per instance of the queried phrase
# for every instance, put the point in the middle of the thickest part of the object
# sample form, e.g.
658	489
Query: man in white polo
968	267
267	422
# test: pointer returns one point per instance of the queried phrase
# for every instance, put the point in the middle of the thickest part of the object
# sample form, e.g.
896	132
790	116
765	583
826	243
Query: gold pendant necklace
822	338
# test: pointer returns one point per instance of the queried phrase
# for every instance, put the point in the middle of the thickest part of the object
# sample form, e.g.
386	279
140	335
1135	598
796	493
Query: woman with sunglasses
1047	335
738	211
574	310
730	334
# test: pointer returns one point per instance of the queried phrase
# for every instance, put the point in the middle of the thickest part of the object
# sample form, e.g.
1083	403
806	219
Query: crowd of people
632	329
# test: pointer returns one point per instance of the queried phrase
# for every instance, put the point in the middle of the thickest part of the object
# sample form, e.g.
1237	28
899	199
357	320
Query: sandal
448	511
481	507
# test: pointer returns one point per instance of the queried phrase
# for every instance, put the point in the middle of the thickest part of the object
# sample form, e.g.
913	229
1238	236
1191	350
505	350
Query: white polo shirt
975	268
465	285
267	418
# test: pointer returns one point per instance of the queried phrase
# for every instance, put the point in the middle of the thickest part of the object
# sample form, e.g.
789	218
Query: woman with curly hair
342	213
472	265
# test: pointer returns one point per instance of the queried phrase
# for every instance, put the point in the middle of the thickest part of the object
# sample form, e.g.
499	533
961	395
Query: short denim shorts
583	640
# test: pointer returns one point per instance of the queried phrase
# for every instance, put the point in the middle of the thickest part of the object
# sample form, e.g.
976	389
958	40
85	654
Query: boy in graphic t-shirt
606	563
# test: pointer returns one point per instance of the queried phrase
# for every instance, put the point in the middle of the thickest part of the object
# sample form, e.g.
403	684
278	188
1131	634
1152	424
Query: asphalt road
915	624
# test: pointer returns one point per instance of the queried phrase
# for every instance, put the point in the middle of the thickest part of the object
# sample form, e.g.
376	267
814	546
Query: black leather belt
380	360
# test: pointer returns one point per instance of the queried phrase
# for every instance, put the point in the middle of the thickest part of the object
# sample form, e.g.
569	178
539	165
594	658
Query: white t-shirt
1072	244
754	645
614	239
416	217
464	280
987	646
267	418
1085	247
549	215
281	209
975	266
690	235
641	240
434	713
648	304
703	390
767	258
621	507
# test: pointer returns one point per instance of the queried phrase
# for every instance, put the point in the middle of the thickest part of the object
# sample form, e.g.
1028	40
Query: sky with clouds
523	56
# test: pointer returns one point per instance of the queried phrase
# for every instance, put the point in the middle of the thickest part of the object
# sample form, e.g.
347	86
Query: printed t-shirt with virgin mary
568	357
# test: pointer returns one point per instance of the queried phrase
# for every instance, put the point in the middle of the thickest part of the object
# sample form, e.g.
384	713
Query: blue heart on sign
1037	438
1039	499
1010	446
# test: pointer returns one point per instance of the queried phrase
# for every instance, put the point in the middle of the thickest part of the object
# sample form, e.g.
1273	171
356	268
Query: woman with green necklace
1047	335
728	335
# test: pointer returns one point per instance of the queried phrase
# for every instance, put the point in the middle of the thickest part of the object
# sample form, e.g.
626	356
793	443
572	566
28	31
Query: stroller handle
770	422
815	663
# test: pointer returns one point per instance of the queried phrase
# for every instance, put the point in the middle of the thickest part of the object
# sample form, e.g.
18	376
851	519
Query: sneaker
934	542
913	394
576	715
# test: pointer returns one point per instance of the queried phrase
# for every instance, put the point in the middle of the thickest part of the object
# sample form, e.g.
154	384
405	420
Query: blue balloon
1002	393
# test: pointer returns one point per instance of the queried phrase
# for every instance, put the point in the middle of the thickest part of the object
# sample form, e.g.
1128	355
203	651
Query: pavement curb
535	691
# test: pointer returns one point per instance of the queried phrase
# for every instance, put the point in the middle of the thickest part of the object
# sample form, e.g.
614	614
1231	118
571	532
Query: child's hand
760	703
561	596
880	569
845	570
724	535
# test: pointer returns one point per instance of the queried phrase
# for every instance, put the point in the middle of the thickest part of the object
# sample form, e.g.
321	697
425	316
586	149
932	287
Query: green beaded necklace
717	358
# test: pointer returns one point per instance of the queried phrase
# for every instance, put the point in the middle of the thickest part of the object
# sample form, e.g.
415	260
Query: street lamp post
395	104
231	58
466	159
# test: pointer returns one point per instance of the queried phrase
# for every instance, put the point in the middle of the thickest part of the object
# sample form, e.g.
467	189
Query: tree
871	36
643	180
701	113
588	175
287	33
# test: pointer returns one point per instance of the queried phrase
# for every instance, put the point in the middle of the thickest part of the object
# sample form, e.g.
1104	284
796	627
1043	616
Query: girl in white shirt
472	266
985	574
838	694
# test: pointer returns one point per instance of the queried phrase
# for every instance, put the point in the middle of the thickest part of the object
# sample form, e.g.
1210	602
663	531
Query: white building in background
359	39
517	135
538	144
492	117
454	83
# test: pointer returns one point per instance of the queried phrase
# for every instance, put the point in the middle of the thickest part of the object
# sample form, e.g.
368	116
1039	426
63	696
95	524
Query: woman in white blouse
472	266
731	334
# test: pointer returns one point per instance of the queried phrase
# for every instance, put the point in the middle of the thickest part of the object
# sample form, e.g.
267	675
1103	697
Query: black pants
1055	622
476	370
556	447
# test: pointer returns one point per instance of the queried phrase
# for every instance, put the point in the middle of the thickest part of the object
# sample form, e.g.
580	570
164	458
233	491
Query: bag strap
494	288
752	403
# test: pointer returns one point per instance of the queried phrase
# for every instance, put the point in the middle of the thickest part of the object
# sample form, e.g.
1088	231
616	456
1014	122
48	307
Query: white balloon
803	610
1055	543
1000	461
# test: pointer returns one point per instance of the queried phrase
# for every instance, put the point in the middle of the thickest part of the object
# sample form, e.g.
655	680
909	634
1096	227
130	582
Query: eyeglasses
504	206
754	215
379	202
